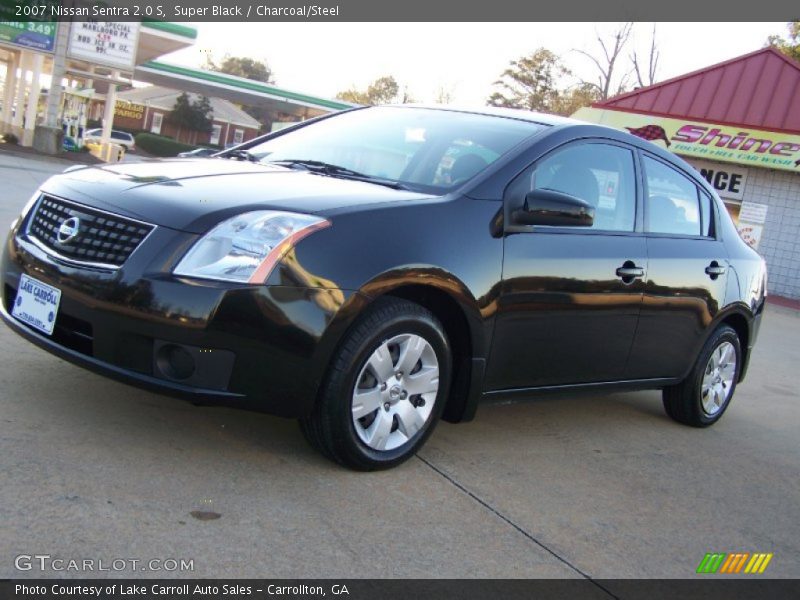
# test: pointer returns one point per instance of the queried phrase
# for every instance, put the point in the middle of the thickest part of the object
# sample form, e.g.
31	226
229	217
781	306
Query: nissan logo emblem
68	230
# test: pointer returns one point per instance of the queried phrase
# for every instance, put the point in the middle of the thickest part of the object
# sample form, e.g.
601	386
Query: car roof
498	111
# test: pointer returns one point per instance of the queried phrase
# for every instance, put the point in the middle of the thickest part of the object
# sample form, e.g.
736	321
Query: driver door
566	313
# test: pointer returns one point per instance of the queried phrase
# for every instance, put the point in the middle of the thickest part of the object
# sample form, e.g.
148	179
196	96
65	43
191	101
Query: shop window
158	119
216	133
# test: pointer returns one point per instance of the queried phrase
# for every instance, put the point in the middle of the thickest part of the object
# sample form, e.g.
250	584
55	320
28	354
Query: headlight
245	249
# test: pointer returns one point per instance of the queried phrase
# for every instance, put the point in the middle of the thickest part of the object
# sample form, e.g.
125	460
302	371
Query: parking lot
600	486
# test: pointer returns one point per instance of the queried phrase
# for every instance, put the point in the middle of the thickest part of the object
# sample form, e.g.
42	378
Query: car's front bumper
262	348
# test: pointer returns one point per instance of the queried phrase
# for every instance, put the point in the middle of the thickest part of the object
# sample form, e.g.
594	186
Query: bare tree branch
607	65
652	63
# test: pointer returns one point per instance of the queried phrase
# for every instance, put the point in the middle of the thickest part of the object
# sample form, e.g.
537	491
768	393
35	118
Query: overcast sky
465	58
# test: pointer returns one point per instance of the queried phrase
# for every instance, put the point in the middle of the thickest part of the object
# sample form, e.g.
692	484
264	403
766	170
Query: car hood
194	195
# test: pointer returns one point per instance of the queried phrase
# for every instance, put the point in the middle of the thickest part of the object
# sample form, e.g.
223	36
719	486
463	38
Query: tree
249	68
578	96
608	81
649	77
242	66
383	90
193	116
530	82
789	46
443	95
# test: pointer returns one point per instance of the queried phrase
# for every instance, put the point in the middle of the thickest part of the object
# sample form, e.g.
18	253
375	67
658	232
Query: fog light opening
175	362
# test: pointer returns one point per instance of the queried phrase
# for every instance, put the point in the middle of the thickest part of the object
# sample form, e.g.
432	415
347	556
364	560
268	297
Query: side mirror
549	207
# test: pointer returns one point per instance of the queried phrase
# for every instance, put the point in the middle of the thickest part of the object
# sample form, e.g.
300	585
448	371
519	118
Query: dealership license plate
37	304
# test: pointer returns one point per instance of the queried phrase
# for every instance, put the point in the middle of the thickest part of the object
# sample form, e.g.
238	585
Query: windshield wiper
318	166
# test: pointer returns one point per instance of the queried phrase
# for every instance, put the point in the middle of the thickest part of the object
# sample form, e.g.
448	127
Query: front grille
102	238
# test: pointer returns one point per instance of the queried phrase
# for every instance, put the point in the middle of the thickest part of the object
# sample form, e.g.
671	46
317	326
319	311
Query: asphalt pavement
600	486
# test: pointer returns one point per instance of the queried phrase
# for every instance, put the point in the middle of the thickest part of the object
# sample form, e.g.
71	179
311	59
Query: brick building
147	108
738	123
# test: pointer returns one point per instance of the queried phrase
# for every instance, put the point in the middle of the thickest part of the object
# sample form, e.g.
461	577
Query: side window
672	201
600	174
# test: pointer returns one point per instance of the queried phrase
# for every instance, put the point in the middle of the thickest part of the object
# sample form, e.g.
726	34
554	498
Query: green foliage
248	68
570	100
530	82
192	115
159	145
789	45
241	66
533	83
383	90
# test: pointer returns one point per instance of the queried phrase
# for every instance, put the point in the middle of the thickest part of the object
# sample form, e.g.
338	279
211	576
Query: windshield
424	149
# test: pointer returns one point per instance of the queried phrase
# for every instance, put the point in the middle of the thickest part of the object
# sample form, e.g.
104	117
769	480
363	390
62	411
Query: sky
464	59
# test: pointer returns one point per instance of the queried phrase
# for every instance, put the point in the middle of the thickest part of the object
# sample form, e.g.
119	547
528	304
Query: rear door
570	296
687	273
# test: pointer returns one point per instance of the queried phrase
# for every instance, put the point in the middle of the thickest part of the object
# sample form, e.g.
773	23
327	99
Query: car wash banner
34	33
725	143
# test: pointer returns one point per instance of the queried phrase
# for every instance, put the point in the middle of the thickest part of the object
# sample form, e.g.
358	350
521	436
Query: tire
368	360
701	399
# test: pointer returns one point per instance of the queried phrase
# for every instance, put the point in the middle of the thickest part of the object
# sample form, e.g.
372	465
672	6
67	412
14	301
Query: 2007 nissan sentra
373	271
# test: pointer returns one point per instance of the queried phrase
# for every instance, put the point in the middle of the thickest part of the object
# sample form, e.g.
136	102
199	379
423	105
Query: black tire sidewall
432	332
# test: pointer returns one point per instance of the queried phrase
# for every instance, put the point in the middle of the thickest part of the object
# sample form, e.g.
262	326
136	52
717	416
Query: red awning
759	90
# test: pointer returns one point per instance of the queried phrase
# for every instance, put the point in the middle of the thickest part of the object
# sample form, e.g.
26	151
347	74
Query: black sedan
373	271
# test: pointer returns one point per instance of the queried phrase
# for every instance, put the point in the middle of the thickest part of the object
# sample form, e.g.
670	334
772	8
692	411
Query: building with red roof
738	122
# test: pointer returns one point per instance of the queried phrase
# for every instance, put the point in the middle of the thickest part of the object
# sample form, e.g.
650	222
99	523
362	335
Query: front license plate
37	304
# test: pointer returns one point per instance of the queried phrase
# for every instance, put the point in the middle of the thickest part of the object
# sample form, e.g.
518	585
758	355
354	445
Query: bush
159	145
10	138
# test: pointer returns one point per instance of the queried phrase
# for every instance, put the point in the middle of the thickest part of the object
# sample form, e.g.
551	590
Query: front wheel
701	398
385	389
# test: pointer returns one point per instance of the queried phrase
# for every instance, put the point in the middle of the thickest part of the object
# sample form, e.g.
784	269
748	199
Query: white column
32	109
54	96
108	115
22	85
9	90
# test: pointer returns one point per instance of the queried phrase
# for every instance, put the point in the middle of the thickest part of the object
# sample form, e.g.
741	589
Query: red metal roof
759	90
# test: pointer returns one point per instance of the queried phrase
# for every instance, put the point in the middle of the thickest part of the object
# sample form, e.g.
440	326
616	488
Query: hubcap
718	378
395	391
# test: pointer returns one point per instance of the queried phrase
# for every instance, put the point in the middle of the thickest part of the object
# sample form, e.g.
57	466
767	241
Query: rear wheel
702	398
385	389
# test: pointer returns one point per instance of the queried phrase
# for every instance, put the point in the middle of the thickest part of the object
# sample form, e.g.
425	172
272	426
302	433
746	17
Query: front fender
422	277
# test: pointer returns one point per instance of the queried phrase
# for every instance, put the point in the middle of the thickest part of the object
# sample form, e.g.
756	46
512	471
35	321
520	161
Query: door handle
629	272
714	270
